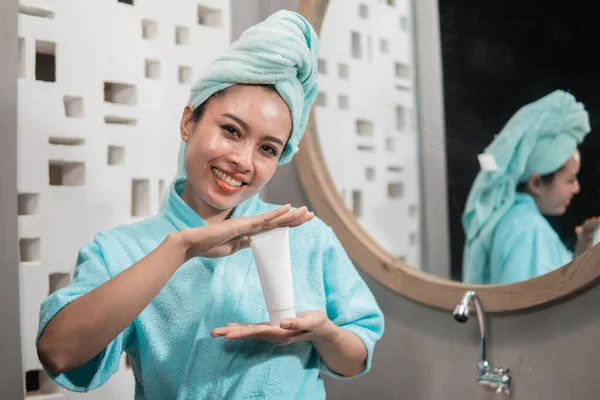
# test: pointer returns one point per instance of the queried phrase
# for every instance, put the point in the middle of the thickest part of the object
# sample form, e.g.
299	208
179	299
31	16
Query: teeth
226	178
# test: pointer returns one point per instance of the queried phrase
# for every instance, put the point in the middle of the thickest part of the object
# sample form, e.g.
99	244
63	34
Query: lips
226	182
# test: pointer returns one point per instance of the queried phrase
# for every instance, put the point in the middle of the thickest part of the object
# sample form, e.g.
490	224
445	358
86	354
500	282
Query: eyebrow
274	140
246	127
238	120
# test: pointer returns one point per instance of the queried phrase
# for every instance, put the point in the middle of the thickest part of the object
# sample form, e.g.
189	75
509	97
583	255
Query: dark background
499	55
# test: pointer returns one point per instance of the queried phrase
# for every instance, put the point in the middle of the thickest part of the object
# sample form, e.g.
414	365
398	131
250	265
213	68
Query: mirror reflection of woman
528	171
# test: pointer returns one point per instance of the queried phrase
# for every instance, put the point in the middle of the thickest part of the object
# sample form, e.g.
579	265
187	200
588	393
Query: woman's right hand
231	235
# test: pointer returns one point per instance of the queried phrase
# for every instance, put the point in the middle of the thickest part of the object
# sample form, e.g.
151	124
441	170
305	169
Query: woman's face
233	150
555	197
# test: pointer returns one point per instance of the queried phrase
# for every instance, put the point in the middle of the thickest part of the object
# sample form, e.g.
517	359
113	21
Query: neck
208	213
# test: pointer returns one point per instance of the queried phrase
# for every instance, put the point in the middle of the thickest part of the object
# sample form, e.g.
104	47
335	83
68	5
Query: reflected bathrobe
524	245
173	355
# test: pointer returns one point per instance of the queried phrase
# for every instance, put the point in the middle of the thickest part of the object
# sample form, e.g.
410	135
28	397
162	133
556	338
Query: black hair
546	180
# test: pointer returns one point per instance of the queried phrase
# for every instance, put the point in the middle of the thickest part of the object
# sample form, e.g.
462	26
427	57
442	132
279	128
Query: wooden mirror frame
417	285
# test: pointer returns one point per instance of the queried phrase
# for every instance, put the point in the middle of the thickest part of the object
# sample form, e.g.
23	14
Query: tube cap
278	316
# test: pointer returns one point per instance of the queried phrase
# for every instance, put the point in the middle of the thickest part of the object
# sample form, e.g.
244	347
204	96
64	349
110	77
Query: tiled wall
101	88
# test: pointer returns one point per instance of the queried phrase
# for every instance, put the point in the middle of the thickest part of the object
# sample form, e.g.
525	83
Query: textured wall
366	118
101	85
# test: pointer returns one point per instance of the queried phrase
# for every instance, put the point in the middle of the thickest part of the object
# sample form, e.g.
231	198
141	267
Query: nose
242	159
577	187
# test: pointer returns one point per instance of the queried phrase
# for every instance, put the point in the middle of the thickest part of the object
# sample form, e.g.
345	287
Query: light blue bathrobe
172	352
525	245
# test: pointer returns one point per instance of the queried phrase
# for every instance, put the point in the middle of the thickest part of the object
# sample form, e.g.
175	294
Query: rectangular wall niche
29	204
73	106
120	120
45	61
35	12
364	127
116	155
152	69
161	189
210	17
182	35
65	141
390	144
322	66
58	281
140	198
400	118
344	102
343	71
370	173
321	99
29	249
66	173
396	190
402	70
149	29
185	75
38	385
120	93
356	45
363	11
357	203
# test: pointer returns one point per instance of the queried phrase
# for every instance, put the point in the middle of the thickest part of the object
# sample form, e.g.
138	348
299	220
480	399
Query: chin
225	202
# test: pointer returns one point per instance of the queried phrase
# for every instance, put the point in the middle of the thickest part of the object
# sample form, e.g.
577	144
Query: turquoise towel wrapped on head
172	353
538	139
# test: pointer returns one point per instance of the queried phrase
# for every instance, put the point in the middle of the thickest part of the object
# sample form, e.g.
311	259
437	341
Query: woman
180	293
530	170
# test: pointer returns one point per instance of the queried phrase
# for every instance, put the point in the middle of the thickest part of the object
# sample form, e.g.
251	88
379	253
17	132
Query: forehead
252	98
572	165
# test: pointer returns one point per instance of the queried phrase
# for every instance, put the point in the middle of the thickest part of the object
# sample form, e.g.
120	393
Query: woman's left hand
585	234
310	325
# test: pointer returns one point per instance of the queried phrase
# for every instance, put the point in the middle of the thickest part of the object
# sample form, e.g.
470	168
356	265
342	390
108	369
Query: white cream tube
271	252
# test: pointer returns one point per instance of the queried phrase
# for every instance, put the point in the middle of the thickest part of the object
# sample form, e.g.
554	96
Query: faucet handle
506	381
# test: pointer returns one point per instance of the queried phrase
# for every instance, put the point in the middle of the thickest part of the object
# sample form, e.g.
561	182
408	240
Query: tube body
271	251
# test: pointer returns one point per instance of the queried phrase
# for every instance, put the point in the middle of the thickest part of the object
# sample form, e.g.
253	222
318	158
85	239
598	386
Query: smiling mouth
227	179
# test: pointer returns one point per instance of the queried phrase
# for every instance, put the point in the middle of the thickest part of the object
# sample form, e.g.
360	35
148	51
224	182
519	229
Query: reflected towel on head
280	51
538	139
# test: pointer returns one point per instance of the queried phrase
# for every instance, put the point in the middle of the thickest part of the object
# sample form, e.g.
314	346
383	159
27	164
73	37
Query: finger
232	327
302	322
243	243
301	220
284	219
253	331
262	220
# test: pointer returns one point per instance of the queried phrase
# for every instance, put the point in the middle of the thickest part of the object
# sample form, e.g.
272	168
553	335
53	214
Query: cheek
264	169
204	146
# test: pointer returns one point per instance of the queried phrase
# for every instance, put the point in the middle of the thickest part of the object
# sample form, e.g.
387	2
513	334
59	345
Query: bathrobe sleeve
350	303
90	272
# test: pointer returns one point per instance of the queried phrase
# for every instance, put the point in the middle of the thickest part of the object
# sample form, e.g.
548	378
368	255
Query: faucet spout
496	378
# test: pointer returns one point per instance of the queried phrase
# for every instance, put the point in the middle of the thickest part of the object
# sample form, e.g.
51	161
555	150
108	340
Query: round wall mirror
452	146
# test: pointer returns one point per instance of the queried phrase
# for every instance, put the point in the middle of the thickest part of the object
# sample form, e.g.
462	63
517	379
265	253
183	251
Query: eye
231	130
269	149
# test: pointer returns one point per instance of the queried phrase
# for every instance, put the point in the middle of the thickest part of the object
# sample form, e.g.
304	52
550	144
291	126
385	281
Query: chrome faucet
495	378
